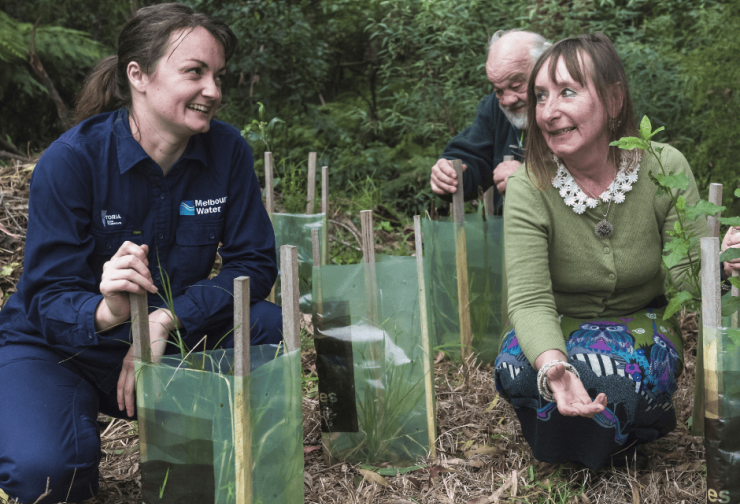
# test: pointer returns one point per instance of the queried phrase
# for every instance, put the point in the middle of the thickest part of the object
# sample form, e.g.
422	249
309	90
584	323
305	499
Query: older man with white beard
498	129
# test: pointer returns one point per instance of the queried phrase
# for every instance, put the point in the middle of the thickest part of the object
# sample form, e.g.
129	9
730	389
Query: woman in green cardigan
588	361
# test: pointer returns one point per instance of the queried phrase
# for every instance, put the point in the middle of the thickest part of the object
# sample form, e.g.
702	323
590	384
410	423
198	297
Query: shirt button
161	236
611	276
156	277
606	250
212	235
162	196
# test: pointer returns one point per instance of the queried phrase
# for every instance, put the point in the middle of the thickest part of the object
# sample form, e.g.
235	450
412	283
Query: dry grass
482	455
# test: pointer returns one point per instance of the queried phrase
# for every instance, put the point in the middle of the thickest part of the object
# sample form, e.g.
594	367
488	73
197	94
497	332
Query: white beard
518	118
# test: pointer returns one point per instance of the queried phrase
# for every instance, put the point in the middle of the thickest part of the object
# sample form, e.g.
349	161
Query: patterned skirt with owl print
634	360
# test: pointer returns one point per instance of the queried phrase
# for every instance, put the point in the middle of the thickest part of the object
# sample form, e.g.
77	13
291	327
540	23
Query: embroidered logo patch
187	208
112	219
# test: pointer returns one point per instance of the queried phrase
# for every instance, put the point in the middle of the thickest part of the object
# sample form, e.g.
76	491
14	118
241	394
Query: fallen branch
10	155
38	69
9	146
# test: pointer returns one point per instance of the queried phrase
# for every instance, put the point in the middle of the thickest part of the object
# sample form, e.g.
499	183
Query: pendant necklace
603	228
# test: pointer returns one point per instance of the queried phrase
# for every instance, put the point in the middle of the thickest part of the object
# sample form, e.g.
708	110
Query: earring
613	124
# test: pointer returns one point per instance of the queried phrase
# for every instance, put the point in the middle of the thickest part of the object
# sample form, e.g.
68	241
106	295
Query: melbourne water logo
187	208
204	206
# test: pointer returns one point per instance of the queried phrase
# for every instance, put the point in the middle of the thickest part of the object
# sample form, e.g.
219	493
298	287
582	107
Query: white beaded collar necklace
575	197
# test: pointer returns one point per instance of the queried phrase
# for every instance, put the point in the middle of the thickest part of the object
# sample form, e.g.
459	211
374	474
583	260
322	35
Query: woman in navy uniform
145	189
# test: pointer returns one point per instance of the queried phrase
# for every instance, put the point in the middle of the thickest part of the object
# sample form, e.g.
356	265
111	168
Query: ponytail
100	92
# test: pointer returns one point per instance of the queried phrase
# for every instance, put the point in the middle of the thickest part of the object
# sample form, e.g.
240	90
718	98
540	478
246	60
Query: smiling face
571	116
508	67
183	93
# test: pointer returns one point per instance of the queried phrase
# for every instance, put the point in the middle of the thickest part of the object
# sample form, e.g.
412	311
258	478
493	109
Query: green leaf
737	193
676	303
730	221
734	335
735	281
680	203
645	128
677	249
730	254
703	207
630	143
657	131
677	181
660	191
730	305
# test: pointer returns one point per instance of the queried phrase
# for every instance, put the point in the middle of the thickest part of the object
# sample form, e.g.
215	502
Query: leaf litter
482	456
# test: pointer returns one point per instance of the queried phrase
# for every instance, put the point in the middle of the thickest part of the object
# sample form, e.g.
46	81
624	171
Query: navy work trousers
48	417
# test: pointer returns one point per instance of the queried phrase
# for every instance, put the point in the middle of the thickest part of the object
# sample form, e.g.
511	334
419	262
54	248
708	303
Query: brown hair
610	81
144	39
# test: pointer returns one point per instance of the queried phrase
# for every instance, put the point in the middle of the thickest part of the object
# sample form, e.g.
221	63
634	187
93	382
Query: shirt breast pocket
197	246
107	244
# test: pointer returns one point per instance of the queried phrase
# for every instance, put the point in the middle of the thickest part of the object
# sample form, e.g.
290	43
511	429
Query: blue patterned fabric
634	360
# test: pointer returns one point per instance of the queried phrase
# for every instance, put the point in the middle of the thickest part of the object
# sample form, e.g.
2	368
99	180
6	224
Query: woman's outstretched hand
126	272
570	395
568	390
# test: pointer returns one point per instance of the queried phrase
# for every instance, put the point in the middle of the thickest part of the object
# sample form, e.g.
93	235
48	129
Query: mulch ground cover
482	456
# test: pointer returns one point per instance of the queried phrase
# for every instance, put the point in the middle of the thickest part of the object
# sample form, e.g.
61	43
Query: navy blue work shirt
93	189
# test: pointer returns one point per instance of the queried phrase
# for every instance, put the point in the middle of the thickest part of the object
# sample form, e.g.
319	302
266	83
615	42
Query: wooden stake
734	292
425	346
269	202
325	211
715	196
290	295
143	354
242	414
461	261
711	314
269	187
140	327
488	195
368	255
697	428
311	182
326	437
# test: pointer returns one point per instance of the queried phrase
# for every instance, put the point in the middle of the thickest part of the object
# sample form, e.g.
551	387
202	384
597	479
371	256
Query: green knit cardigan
555	264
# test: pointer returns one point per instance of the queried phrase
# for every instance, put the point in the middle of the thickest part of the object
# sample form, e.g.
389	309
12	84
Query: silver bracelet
543	386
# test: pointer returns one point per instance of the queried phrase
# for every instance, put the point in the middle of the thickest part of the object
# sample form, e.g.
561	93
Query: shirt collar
131	153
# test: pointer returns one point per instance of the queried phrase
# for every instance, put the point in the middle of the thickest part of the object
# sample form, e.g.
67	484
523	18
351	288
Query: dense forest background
378	87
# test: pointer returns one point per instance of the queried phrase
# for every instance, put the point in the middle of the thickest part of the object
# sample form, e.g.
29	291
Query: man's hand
160	324
127	271
731	240
502	172
444	178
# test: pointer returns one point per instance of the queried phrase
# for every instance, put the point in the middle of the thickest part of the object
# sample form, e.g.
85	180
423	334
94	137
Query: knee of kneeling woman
267	323
25	477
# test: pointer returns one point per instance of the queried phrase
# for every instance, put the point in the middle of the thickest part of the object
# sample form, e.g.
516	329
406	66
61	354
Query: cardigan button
606	250
611	276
